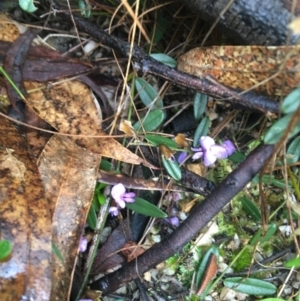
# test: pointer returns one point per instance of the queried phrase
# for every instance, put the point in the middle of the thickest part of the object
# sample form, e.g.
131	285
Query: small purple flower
83	244
173	221
120	195
182	156
114	211
210	151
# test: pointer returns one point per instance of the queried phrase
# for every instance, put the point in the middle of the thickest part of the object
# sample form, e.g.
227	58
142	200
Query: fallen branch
196	221
145	63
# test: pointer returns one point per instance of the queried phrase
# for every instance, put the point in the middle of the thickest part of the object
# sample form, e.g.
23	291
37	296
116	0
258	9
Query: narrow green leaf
148	94
158	139
84	8
164	59
5	249
261	239
101	198
273	299
159	30
237	157
291	102
251	209
106	165
57	252
295	262
250	286
201	130
27	5
144	207
172	168
200	102
293	151
92	217
275	132
152	121
203	264
11	82
266	179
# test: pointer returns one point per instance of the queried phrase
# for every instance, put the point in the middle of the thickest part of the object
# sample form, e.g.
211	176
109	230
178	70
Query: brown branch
145	63
196	221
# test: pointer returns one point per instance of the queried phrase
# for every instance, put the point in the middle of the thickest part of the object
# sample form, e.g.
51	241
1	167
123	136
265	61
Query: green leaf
92	217
172	168
158	139
57	252
291	102
152	121
101	198
266	179
148	94
144	207
251	209
159	30
106	165
5	249
250	286
84	8
237	157
201	130
261	239
205	260
275	132
293	151
27	5
200	102
295	262
164	59
272	299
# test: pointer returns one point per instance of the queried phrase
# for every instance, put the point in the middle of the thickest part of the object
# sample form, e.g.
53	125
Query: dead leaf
69	177
210	273
71	108
244	67
132	250
25	221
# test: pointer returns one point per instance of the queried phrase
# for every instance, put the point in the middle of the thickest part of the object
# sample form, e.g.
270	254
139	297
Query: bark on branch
145	63
196	221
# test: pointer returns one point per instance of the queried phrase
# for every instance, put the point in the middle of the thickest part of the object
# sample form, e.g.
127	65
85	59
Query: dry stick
196	221
235	182
145	63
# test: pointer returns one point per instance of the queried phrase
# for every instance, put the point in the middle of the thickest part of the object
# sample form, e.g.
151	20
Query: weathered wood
254	22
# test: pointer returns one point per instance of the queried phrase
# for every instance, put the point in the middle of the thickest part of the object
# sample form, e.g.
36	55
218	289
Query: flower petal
219	151
128	199
197	149
83	244
182	156
116	192
114	211
229	147
197	156
173	221
129	195
209	158
206	142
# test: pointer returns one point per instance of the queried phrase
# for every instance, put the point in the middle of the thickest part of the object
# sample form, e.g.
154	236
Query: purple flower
182	156
210	151
114	211
120	195
83	244
173	221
